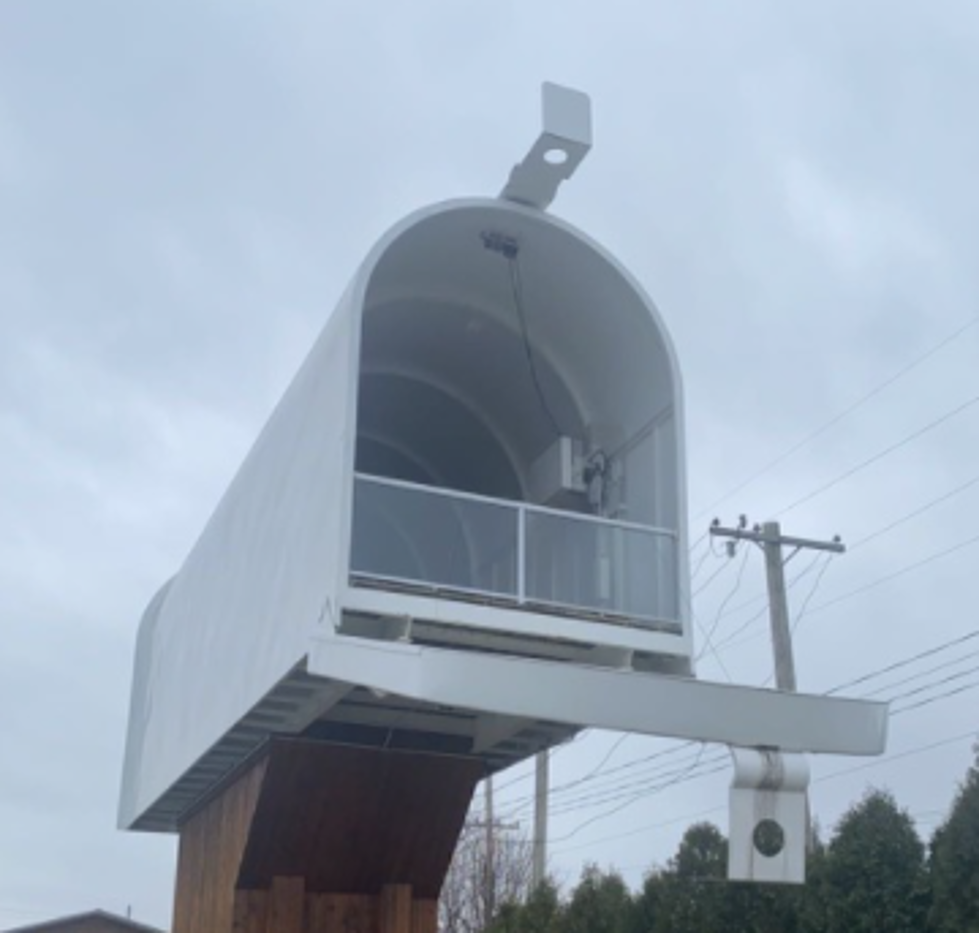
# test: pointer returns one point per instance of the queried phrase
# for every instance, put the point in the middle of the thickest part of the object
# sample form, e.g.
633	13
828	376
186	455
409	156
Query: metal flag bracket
769	813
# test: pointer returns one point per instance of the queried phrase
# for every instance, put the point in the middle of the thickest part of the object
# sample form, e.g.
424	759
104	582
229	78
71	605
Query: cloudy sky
185	189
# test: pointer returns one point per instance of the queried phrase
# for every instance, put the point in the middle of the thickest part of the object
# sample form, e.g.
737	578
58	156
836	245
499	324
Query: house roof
123	923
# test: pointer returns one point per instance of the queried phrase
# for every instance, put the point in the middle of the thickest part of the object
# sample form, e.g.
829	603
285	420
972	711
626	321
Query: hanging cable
880	455
836	419
516	289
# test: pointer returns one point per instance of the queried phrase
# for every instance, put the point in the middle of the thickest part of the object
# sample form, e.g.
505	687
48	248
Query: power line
677	775
602	816
703	586
914	513
880	581
861	542
605	785
708	635
812	592
934	699
945	665
904	662
846	474
860	590
876	763
836	419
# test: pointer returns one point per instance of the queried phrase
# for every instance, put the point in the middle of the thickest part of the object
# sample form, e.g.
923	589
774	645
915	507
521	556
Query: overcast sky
185	189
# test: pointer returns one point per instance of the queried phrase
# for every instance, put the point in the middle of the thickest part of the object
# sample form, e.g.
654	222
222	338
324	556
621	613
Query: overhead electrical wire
701	768
836	419
812	592
730	642
911	678
866	539
709	633
688	818
906	662
880	455
932	503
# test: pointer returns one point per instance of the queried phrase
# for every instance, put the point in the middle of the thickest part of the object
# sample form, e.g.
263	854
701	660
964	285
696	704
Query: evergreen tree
874	877
540	913
692	891
601	903
955	862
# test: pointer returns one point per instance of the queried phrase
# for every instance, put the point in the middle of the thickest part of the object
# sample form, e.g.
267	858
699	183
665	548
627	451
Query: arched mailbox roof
441	312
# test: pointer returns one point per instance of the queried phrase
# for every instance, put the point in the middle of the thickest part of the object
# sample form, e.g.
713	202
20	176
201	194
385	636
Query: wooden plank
341	913
211	845
395	909
251	912
354	819
287	898
425	916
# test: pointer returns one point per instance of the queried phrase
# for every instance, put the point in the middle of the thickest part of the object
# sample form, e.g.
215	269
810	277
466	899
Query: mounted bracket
769	811
562	144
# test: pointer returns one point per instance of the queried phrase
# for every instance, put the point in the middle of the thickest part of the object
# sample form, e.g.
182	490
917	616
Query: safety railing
418	537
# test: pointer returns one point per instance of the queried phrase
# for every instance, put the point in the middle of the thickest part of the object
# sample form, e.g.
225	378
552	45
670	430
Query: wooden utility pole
770	539
490	879
542	780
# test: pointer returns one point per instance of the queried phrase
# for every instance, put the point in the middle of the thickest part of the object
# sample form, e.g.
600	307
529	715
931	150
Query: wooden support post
395	909
425	916
273	851
286	905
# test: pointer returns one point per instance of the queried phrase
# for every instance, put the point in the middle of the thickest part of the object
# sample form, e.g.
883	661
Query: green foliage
874	877
541	913
601	903
871	878
955	862
692	895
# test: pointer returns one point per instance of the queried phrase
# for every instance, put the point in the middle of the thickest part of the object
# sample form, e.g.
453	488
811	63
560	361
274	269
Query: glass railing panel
415	535
600	566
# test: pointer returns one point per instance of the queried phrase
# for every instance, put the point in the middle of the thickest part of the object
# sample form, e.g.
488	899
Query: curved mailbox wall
416	448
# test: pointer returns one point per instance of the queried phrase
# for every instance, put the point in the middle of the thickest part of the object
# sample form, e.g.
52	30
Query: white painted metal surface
624	701
475	335
430	309
768	804
564	141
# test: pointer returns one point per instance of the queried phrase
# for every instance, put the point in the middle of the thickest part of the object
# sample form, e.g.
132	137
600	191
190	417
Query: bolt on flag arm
560	148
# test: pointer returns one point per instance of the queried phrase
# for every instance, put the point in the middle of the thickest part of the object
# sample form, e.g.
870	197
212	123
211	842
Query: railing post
521	554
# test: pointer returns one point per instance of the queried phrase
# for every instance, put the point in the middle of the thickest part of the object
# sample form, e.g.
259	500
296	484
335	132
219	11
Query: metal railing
449	542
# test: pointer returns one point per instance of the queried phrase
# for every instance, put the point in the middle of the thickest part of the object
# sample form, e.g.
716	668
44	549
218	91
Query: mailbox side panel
260	580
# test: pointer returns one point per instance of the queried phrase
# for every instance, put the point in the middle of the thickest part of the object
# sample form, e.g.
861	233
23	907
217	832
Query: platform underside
448	701
340	714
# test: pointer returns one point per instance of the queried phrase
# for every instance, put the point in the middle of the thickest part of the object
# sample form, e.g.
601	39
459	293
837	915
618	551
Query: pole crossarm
759	536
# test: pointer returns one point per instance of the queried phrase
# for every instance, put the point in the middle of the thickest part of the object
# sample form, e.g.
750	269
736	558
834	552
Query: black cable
811	593
516	288
880	581
843	414
911	678
913	514
846	474
904	662
603	816
709	633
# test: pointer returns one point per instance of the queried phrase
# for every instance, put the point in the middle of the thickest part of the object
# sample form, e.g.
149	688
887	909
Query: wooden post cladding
320	838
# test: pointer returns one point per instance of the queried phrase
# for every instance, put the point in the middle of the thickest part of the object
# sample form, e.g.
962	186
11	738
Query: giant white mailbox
463	530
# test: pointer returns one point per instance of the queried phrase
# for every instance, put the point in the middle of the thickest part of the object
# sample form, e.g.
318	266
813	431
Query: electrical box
557	476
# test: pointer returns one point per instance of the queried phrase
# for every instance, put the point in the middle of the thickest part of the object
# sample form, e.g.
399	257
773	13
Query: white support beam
607	699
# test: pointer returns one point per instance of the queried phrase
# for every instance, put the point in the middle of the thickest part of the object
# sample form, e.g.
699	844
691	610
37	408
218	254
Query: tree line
874	875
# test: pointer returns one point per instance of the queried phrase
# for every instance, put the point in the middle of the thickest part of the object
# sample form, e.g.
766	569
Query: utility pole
770	539
542	780
490	851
